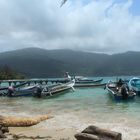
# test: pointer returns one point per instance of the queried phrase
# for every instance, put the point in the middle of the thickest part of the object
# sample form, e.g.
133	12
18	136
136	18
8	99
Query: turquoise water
79	109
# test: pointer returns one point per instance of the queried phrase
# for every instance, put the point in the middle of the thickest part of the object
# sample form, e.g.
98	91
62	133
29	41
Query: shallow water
79	109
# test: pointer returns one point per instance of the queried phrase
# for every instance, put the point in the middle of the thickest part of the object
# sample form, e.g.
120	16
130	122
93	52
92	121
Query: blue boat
120	93
21	91
15	86
5	90
134	85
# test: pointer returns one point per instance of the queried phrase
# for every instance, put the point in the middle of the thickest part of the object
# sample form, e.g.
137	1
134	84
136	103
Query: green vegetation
7	73
41	63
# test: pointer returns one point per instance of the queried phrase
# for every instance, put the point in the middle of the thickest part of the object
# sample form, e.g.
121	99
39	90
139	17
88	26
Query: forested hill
35	62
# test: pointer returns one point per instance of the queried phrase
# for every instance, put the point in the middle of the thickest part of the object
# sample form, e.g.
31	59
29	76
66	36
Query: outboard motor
38	92
10	91
124	92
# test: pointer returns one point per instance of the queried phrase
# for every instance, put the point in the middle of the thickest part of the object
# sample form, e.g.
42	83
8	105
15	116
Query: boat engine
38	92
10	91
124	92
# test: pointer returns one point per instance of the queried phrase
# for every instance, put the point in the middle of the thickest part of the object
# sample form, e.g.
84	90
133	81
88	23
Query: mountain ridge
40	63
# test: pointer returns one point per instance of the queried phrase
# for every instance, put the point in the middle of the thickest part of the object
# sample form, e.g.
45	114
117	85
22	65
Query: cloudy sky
109	26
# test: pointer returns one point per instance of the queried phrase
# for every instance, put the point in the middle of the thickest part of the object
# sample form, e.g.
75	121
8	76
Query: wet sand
56	129
46	134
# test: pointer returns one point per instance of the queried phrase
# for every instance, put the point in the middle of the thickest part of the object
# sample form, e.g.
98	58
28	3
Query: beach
57	129
65	126
74	111
55	134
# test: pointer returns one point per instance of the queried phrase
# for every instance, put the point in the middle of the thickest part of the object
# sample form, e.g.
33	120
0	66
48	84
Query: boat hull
55	89
137	91
88	81
89	85
118	96
23	92
56	93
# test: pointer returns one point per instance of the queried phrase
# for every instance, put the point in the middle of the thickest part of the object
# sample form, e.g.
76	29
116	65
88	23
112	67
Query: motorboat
120	93
54	89
21	91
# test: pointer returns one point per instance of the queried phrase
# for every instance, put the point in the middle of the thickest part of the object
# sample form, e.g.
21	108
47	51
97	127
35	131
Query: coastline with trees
7	73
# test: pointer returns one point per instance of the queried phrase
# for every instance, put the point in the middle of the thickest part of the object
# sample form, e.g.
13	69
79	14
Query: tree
7	73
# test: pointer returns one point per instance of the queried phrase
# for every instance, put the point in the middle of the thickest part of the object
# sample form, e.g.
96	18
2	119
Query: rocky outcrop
96	133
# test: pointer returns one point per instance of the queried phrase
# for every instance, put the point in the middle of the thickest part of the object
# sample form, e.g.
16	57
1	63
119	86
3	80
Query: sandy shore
48	134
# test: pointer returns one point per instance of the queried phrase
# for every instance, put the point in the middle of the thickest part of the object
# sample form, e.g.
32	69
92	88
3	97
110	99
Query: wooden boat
23	91
120	93
82	80
54	89
84	85
134	85
88	81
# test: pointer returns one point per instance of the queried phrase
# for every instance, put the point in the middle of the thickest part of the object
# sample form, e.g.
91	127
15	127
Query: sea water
79	109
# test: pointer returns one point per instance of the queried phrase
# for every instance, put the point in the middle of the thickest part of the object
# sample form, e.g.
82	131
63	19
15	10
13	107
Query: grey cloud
101	26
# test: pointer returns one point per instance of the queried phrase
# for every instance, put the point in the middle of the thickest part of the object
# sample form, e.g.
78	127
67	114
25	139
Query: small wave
71	121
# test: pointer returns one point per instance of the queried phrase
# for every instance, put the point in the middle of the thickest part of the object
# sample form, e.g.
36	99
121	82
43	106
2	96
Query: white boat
54	89
81	81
